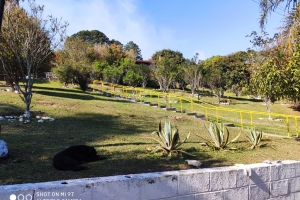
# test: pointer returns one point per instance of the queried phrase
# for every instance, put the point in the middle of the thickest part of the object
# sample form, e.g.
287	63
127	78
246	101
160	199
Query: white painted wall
245	182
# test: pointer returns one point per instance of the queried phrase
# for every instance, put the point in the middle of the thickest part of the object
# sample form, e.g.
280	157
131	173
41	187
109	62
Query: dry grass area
116	129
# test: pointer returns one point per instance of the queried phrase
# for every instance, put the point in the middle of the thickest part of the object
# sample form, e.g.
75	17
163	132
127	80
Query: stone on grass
194	163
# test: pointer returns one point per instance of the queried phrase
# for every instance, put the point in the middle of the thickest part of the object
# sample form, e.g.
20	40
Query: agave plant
219	135
168	139
254	137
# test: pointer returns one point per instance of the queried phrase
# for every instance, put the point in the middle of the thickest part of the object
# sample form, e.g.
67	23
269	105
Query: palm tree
269	6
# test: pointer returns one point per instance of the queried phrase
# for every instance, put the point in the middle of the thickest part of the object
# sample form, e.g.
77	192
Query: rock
267	162
3	150
1	118
40	121
26	121
194	163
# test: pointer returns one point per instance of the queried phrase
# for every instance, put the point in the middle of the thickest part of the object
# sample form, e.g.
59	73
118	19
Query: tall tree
135	74
193	73
2	3
275	71
78	58
28	39
279	56
167	66
92	37
109	54
135	48
290	28
269	6
108	62
214	76
116	42
236	69
113	73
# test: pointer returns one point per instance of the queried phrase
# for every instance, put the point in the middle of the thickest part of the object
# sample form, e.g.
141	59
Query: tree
92	37
193	73
78	59
135	74
116	42
28	39
214	76
166	68
64	74
110	54
63	69
108	62
271	74
99	67
113	73
132	78
279	55
269	6
180	80
135	49
236	69
2	3
144	72
290	28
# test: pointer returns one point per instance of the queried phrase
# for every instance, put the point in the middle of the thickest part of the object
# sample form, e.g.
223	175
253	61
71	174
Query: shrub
219	135
168	139
254	137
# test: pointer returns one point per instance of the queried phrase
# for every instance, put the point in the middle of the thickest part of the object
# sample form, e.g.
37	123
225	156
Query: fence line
280	124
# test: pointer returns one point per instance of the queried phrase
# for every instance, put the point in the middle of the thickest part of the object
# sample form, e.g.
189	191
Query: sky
206	27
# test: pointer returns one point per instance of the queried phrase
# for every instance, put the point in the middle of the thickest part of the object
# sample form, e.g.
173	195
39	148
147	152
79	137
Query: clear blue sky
207	27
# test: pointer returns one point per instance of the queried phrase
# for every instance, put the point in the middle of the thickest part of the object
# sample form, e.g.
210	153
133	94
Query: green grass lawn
116	129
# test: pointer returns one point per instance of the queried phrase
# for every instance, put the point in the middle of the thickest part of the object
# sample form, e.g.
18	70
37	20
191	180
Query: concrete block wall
274	180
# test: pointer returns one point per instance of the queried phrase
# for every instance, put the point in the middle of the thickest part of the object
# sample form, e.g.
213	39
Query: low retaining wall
276	180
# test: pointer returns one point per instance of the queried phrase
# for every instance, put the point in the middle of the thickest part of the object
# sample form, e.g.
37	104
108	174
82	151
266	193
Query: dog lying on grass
72	157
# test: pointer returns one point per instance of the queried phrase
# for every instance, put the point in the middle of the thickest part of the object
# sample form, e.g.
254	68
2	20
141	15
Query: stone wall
274	180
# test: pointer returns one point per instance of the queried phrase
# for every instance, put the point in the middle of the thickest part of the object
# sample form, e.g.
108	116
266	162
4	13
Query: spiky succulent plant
254	137
168	139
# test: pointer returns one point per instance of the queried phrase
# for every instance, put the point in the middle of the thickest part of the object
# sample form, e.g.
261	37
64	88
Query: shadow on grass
125	144
8	109
39	88
79	96
237	103
295	108
33	145
244	99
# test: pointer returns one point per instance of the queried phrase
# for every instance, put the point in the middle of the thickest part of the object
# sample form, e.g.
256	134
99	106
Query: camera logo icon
12	197
20	197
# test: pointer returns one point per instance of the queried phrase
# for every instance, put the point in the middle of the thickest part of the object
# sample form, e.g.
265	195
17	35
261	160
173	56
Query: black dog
72	157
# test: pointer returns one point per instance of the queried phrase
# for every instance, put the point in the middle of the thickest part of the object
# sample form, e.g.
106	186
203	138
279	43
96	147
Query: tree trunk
267	100
219	98
27	95
27	98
